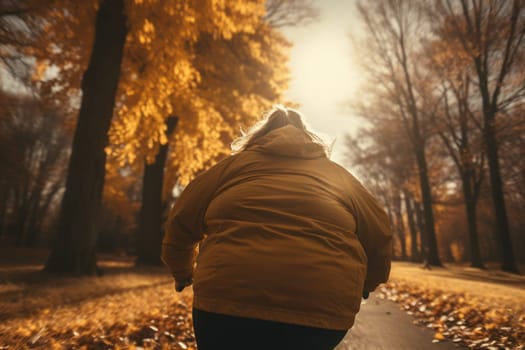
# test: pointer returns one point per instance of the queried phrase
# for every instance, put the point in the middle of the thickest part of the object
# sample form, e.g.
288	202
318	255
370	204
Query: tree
146	92
415	253
33	153
394	32
214	81
160	76
74	250
386	166
459	127
16	26
491	34
153	207
36	35
22	24
459	137
238	79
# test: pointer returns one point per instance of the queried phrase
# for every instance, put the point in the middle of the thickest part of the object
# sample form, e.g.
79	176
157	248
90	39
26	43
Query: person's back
288	234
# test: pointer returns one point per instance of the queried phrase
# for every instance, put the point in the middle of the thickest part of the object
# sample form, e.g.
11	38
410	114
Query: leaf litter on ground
133	308
125	309
479	312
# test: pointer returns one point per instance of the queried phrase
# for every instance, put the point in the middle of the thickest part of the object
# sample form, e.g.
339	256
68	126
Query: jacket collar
288	141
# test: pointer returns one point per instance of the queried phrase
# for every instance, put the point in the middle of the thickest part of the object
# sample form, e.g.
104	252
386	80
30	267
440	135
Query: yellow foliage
215	64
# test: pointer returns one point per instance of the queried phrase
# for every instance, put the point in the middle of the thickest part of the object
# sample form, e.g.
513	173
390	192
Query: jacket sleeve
374	232
185	226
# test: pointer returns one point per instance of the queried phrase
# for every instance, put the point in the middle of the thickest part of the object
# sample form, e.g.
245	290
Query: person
288	242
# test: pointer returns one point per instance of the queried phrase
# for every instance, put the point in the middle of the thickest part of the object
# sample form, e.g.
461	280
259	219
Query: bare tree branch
290	13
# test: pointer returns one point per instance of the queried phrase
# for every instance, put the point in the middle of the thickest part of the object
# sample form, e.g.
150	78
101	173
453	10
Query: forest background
108	106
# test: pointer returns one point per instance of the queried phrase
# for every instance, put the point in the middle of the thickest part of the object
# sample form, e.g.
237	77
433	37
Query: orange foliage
458	317
479	309
215	64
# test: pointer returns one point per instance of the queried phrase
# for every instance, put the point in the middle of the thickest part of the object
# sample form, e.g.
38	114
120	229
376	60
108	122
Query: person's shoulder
212	170
345	175
340	169
222	164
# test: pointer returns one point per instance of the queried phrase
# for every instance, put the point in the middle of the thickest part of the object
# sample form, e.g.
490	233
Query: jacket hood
288	141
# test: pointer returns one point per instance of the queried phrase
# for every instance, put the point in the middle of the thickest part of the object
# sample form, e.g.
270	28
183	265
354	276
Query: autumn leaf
459	317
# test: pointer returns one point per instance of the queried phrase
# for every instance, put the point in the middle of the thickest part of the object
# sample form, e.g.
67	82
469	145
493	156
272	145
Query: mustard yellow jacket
285	235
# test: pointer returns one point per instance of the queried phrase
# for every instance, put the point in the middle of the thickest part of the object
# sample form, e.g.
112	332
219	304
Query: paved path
382	325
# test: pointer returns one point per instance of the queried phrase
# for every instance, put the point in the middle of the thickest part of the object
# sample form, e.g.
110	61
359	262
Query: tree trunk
151	213
31	228
10	209
44	211
414	252
400	226
22	209
21	219
390	217
470	208
30	216
498	200
4	200
74	250
421	224
432	256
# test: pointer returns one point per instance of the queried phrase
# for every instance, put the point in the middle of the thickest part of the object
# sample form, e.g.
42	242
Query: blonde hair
275	118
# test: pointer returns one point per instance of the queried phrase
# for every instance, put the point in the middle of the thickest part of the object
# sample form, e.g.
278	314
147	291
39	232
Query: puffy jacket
285	235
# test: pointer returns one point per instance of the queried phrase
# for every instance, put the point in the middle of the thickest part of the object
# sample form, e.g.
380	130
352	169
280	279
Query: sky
324	71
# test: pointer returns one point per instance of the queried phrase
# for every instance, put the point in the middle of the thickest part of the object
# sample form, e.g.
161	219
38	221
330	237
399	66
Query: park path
382	325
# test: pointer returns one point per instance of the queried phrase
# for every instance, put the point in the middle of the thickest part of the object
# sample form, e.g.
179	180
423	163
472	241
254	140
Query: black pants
217	332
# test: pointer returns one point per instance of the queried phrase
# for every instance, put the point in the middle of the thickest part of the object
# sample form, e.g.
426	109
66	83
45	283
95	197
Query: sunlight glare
325	73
